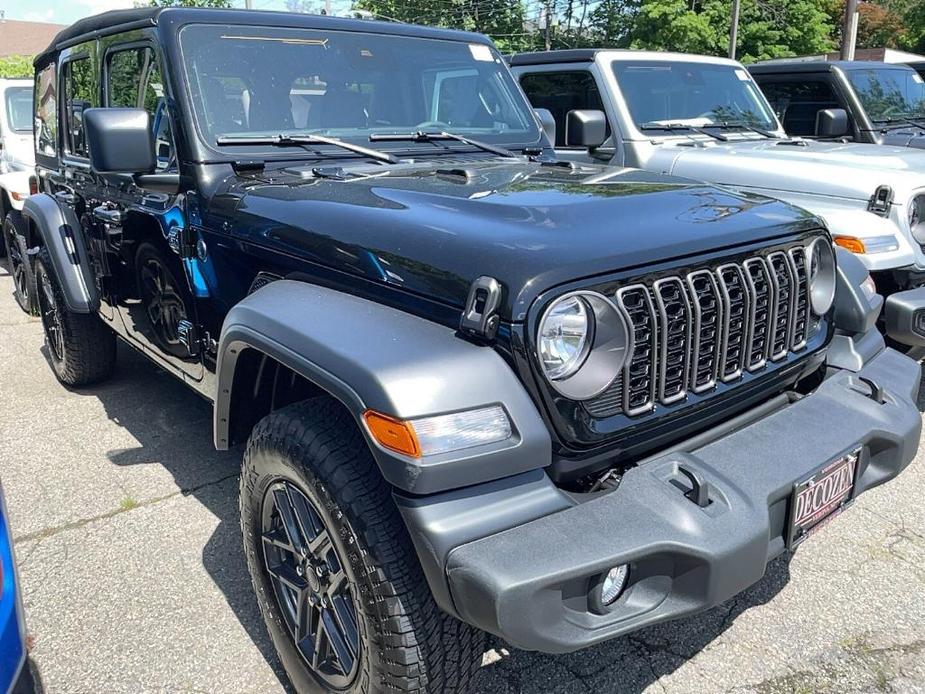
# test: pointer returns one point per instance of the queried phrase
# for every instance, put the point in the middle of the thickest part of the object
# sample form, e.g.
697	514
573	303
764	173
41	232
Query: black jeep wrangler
480	390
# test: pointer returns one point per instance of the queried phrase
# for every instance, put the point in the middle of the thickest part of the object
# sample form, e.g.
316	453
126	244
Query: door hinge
195	339
182	241
480	318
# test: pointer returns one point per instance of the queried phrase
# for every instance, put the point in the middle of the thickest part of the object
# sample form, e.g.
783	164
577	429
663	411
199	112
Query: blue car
14	669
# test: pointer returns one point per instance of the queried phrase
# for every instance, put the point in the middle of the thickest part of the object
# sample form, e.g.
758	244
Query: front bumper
529	583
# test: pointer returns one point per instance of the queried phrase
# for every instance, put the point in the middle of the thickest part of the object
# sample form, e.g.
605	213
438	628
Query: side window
797	103
78	96
46	112
561	92
133	80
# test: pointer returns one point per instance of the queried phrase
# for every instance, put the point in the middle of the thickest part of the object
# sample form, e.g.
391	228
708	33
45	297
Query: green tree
504	21
767	28
612	22
16	66
188	3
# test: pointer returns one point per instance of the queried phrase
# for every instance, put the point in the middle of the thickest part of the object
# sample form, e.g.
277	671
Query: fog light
607	588
613	583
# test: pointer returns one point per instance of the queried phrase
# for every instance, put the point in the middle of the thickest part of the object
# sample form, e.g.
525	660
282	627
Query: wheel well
33	236
261	385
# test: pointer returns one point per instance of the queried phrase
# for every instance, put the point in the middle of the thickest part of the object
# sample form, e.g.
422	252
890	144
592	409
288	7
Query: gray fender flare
63	237
371	356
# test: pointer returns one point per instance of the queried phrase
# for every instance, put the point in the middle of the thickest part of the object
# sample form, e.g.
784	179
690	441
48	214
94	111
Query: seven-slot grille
693	331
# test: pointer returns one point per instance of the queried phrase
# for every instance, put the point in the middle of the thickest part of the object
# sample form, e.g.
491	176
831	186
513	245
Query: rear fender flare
63	237
371	356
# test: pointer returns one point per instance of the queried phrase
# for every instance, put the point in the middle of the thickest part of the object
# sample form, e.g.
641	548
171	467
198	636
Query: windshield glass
19	108
253	81
889	93
696	94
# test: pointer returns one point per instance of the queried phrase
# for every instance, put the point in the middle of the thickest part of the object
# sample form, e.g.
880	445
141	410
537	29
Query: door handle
66	198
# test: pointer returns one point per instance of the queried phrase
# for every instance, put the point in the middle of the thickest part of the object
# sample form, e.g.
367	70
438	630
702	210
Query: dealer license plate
821	497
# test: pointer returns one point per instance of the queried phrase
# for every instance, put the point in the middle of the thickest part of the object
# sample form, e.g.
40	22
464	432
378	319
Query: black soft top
568	55
806	66
98	25
116	21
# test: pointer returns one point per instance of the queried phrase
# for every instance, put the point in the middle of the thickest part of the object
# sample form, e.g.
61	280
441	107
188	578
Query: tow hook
875	391
699	492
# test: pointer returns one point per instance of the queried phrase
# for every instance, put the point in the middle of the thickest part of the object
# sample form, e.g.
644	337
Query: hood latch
480	317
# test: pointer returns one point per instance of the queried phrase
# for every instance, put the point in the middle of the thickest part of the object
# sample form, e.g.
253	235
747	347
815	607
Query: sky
68	11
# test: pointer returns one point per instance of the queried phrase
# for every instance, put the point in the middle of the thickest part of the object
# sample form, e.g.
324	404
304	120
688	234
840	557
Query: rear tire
313	452
18	261
81	348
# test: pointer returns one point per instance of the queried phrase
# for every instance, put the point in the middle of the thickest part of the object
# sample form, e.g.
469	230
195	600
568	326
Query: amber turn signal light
392	433
850	244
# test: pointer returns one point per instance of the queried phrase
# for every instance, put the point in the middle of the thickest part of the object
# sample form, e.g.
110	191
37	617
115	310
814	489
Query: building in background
25	38
878	55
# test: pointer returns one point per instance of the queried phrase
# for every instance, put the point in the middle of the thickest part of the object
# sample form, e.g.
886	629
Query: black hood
905	137
432	231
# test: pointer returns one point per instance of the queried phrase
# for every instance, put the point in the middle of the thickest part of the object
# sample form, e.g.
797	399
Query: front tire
81	348
17	254
308	470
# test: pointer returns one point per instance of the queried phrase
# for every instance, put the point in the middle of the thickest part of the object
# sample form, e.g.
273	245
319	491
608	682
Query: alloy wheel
51	315
311	585
162	302
17	265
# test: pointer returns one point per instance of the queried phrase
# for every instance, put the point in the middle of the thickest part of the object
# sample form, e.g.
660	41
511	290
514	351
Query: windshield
253	81
19	108
889	93
696	94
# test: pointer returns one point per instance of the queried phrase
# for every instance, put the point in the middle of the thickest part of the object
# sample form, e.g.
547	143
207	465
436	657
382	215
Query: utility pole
734	29
248	4
546	23
849	30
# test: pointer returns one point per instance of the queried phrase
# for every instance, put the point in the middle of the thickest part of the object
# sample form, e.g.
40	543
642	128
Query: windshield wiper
301	140
900	123
421	136
673	127
745	126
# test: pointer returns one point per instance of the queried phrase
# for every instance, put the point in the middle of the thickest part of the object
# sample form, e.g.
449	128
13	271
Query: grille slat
708	326
736	316
762	311
674	323
639	374
708	313
781	328
801	298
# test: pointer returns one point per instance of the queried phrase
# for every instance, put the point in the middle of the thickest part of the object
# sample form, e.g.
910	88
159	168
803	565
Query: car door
564	89
797	100
71	181
155	300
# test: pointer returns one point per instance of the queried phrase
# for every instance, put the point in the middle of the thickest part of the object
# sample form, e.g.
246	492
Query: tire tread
422	649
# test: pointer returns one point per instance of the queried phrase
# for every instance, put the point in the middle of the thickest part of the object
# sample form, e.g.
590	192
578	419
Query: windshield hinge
480	317
880	201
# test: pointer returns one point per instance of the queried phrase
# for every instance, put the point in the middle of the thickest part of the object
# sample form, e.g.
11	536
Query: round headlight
583	342
916	211
820	272
564	337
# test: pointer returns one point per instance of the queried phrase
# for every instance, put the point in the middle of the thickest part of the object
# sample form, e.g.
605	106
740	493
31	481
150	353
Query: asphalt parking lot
126	527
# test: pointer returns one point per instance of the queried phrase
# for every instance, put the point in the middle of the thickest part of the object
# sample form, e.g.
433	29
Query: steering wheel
438	124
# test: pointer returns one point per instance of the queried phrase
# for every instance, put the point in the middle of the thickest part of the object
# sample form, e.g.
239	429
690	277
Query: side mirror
548	123
832	122
585	128
120	140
